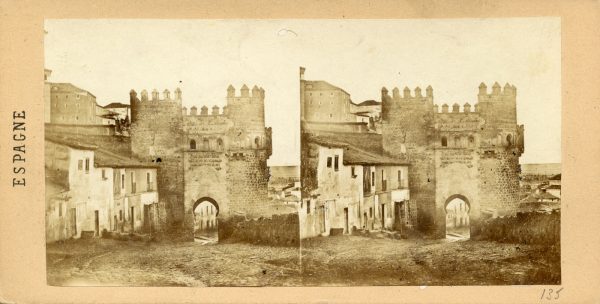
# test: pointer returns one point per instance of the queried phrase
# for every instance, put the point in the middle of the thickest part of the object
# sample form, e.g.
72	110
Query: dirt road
332	261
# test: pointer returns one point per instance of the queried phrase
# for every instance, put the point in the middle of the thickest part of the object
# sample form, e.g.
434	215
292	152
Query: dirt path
344	260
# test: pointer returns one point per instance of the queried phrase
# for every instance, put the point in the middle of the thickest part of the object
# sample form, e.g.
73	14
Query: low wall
524	228
279	230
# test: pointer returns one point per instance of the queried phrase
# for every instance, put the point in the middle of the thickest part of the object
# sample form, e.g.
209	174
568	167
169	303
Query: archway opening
457	217
206	223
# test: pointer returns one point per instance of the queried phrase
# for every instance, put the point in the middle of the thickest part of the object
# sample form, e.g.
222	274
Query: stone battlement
155	96
455	109
257	93
408	96
215	111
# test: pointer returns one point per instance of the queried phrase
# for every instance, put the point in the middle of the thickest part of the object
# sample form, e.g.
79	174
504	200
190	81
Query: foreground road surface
330	261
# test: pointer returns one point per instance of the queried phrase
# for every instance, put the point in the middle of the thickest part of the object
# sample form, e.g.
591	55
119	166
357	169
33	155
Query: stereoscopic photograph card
339	157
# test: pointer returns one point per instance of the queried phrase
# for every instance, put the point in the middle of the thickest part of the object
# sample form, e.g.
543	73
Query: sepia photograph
315	152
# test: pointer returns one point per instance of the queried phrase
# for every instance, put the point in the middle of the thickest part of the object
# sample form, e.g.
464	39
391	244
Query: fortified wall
471	153
220	157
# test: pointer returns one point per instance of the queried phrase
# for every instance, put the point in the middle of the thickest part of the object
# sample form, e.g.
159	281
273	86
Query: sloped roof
103	157
114	105
356	156
555	177
67	86
318	85
369	102
553	187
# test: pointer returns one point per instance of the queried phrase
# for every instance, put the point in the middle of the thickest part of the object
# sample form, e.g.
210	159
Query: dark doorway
147	219
321	216
206	224
132	219
346	224
96	223
72	222
382	216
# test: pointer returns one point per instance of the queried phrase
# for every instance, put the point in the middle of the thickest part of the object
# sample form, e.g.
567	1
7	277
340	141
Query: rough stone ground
328	261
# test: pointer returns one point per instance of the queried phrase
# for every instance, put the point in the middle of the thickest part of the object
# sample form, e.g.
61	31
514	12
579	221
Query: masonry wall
499	181
247	182
280	230
157	137
408	121
524	228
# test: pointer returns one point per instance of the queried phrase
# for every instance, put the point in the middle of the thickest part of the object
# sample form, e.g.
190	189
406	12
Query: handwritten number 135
549	294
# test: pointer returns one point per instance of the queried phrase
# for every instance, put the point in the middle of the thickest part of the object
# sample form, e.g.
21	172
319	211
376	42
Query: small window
120	215
220	142
132	180
444	141
352	171
80	164
329	162
193	144
257	141
148	178
308	207
330	115
103	173
371	212
87	165
509	140
372	178
122	181
336	163
399	178
60	207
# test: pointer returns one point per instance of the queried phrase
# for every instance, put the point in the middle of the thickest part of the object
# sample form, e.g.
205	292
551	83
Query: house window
329	162
509	140
120	215
193	144
373	179
444	141
103	173
220	143
336	163
132	182
308	207
371	212
352	172
122	181
80	164
87	165
148	178
60	206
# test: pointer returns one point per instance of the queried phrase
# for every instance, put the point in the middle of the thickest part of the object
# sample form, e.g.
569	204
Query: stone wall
247	182
524	228
278	230
499	181
157	137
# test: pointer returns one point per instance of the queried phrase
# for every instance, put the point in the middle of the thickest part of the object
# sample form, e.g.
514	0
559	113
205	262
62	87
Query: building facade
86	196
218	157
468	152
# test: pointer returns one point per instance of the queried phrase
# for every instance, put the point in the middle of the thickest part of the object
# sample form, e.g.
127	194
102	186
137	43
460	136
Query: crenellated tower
407	125
157	137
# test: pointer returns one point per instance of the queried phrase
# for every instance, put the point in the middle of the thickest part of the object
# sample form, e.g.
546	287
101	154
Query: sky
109	57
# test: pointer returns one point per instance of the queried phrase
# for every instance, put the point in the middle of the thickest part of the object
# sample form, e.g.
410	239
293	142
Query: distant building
554	186
72	105
122	110
324	102
47	102
89	190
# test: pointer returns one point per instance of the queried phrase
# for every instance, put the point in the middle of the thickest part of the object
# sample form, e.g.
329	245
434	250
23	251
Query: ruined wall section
157	137
407	126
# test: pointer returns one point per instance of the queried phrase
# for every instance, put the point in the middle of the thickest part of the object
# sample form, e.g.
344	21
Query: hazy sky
202	57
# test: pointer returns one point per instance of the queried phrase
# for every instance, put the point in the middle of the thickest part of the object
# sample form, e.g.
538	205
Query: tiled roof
114	105
318	85
367	141
369	103
357	156
103	158
66	86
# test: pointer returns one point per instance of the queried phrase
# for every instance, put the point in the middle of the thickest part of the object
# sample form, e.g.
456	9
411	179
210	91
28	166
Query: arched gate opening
457	217
206	223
